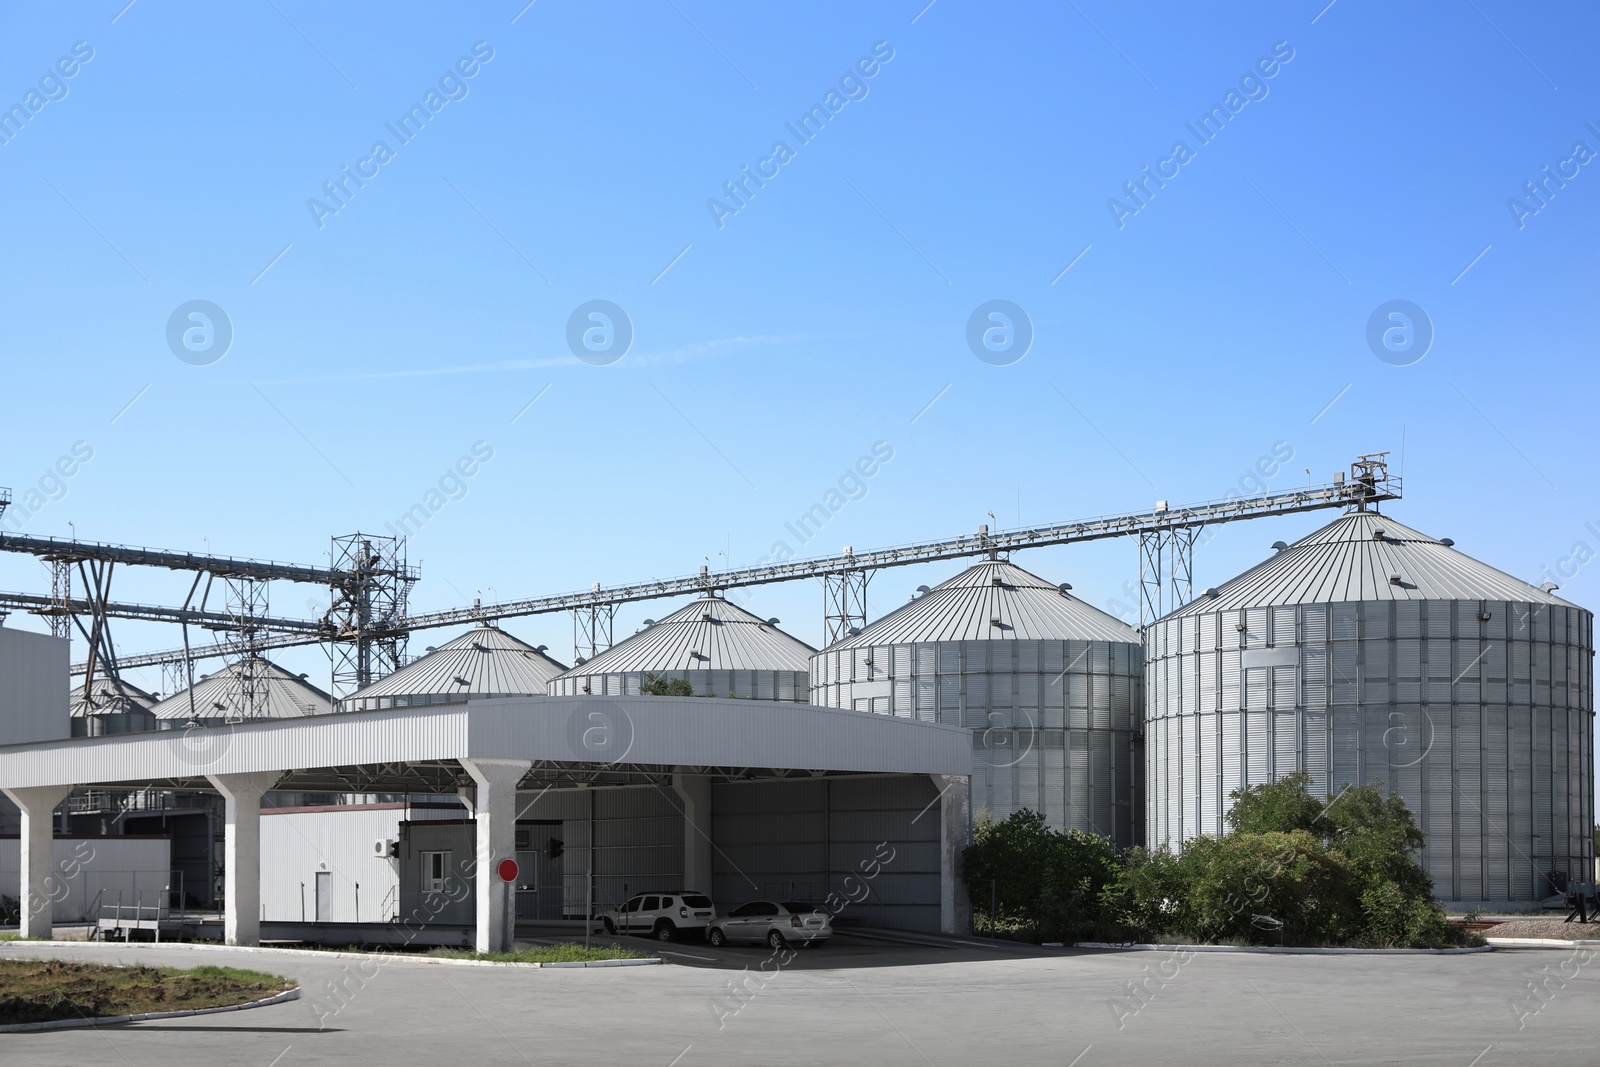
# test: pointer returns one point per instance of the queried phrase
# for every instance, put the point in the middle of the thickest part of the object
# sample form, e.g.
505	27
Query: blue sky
374	346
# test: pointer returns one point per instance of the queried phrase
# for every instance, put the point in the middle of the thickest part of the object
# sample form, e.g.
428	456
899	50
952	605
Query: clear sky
971	152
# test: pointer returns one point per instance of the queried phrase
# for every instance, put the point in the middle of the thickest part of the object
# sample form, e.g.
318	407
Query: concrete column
694	793
241	887
495	807
955	833
38	890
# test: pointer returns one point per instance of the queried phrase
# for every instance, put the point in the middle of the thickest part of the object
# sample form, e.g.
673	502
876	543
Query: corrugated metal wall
1480	714
738	684
1054	723
872	844
637	846
91	872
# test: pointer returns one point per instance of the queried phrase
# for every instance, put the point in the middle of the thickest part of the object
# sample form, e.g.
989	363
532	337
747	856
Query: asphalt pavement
861	1001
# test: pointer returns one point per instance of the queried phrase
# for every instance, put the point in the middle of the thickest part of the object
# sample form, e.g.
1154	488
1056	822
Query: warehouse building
745	796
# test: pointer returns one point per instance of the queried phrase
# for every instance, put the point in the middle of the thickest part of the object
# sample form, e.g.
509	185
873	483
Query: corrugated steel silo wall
739	684
637	839
1054	723
1484	726
867	847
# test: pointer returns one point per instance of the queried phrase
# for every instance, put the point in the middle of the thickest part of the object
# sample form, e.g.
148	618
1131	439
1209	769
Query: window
756	909
633	905
435	871
694	901
650	904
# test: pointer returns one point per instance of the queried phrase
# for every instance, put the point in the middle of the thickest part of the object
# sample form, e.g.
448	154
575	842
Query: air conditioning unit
385	847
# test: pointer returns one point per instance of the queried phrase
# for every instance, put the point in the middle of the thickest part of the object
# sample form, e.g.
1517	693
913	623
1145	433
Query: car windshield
800	907
696	901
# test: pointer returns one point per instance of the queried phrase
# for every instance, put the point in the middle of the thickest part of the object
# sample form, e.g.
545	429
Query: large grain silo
1048	684
111	706
719	648
1368	652
483	662
250	688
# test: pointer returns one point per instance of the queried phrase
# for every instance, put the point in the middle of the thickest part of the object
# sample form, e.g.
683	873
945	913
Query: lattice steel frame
844	604
368	610
1166	571
592	631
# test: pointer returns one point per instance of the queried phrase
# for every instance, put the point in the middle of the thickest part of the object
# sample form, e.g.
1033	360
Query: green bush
1147	898
1047	883
655	685
1238	883
1343	872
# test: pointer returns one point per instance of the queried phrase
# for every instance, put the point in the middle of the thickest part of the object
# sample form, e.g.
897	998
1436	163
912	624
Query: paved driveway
915	1005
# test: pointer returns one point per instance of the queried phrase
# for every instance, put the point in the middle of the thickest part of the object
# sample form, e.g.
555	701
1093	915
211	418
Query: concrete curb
79	1023
1540	942
1286	949
190	946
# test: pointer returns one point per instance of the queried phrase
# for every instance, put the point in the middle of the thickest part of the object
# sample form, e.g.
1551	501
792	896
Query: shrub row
1292	869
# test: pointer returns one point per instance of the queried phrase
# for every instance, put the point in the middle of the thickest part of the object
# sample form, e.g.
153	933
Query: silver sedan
777	924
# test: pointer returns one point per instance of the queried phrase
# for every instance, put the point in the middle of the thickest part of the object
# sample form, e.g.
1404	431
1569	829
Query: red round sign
508	870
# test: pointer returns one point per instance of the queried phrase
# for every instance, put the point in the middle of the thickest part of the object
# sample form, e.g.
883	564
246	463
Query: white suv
662	916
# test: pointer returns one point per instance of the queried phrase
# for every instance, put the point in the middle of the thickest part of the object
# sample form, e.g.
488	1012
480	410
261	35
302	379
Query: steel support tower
367	618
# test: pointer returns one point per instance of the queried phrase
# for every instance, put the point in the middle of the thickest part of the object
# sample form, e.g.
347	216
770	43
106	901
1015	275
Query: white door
324	896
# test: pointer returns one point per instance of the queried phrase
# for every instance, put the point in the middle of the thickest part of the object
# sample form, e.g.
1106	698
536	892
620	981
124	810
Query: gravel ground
1551	928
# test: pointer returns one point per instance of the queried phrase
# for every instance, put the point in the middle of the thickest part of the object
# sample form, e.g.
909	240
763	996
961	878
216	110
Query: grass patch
36	991
565	952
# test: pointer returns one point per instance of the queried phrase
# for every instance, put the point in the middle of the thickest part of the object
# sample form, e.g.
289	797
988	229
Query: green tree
1047	883
1236	882
1279	807
657	686
1147	899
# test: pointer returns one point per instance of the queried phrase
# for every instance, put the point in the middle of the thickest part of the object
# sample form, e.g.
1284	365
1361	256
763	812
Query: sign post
508	871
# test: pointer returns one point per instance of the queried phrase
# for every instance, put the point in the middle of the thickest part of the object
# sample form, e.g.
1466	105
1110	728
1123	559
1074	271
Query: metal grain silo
483	662
251	688
1048	685
1368	652
111	706
719	648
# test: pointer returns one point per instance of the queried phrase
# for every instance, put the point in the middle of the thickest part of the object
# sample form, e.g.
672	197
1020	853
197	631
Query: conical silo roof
709	634
107	696
1361	556
218	696
993	601
484	661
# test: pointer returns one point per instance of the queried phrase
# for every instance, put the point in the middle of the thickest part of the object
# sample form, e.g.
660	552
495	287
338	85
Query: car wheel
664	931
776	940
716	938
611	927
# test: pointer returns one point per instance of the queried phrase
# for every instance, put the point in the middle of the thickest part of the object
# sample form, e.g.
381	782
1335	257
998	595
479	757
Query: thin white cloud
695	352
